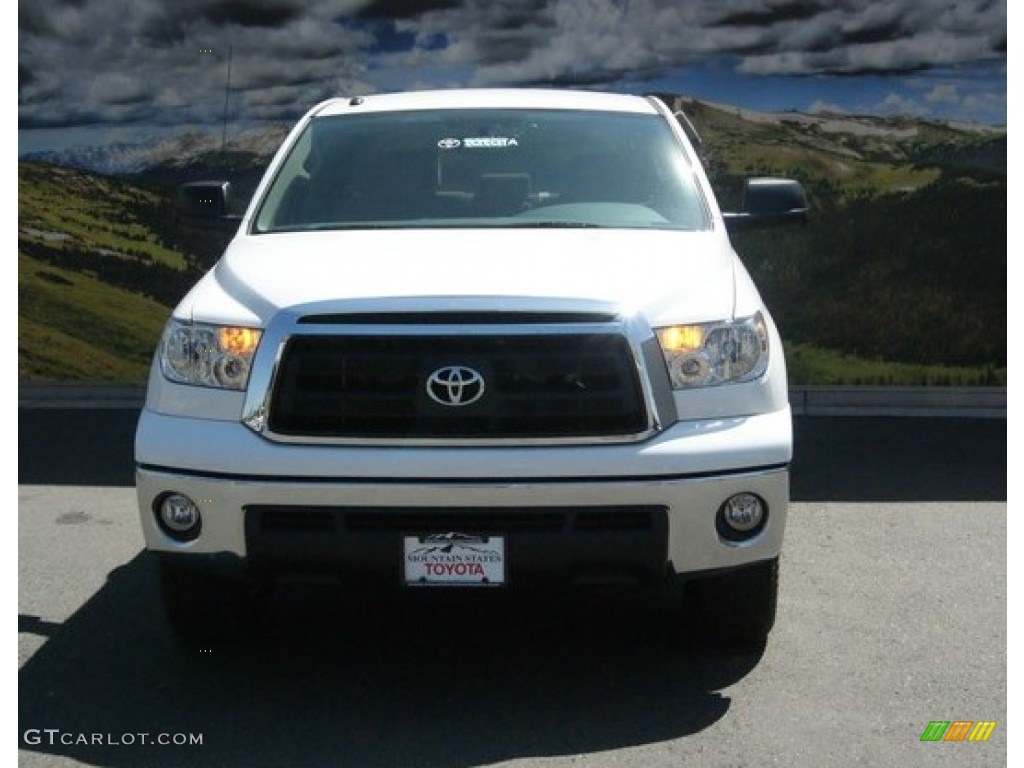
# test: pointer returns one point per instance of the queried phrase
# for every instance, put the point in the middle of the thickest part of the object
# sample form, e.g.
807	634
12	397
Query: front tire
735	609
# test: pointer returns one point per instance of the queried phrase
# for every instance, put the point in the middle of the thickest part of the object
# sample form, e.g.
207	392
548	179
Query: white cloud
943	93
897	105
820	107
979	106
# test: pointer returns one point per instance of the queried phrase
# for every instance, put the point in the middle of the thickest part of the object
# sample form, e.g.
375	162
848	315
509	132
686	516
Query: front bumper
687	471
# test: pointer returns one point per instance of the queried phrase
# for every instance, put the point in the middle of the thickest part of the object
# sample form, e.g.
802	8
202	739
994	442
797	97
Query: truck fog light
179	516
741	517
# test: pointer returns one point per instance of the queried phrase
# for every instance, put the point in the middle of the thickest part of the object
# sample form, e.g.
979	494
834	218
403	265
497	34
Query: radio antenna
227	93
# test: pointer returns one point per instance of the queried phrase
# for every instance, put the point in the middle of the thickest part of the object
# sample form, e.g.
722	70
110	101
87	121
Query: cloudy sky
91	71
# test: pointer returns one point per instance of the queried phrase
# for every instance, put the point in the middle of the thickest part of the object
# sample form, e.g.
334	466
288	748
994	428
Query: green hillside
95	283
850	155
96	213
900	274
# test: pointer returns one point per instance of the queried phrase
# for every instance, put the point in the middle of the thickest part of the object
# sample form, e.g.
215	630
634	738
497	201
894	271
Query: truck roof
487	98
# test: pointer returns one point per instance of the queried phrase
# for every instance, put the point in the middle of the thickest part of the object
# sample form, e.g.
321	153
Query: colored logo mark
958	730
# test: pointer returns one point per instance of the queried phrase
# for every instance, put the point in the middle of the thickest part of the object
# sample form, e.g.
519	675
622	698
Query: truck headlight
706	354
208	355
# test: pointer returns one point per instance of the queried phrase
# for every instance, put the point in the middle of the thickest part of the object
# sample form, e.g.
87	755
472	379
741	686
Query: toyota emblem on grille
455	385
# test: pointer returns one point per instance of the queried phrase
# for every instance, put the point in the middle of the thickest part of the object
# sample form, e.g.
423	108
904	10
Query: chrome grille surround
518	318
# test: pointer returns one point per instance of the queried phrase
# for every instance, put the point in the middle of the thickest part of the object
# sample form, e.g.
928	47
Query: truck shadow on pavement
351	681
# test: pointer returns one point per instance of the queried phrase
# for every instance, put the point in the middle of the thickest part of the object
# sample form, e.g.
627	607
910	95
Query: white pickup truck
474	339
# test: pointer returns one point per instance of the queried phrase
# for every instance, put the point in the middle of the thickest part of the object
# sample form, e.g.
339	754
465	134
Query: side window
285	203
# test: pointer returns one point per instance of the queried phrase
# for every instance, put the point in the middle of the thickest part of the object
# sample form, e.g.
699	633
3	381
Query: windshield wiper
460	224
551	225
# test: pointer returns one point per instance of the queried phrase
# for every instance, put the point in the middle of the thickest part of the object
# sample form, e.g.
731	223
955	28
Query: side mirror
207	205
204	219
769	202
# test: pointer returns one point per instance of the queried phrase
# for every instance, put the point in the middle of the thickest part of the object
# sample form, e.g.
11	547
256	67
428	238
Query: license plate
455	560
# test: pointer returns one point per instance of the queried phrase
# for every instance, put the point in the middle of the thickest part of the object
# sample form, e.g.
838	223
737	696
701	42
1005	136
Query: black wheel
735	609
204	609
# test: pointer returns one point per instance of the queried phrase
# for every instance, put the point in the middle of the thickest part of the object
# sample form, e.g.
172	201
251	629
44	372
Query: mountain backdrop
899	277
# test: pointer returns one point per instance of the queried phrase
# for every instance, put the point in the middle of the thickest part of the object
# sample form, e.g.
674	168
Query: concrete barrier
957	402
952	402
98	396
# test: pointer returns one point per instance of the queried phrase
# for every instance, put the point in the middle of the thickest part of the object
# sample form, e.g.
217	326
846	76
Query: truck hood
668	276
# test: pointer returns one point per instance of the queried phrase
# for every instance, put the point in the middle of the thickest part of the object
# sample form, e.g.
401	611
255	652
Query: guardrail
929	402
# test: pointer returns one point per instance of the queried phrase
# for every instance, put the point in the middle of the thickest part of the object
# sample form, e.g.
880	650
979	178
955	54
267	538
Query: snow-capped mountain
174	151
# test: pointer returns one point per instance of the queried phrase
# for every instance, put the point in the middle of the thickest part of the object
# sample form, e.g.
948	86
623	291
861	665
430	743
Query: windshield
484	168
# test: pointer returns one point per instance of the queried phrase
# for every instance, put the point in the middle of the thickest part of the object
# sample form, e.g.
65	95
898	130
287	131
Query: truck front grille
286	520
535	386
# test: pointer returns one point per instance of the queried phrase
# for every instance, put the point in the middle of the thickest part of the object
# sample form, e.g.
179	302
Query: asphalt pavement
892	614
